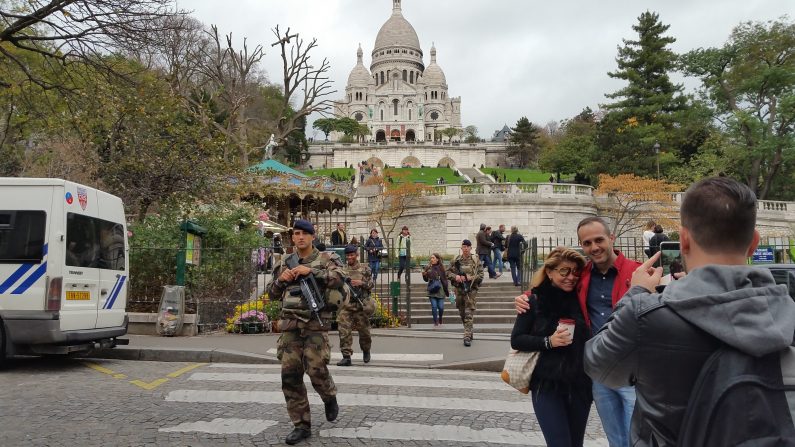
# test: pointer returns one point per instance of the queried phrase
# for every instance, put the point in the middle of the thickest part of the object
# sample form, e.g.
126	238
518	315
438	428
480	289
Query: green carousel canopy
275	166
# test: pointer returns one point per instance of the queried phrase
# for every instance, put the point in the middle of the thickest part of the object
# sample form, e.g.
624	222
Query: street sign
764	254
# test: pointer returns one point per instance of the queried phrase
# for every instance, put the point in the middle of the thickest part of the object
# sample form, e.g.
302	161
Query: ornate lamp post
657	153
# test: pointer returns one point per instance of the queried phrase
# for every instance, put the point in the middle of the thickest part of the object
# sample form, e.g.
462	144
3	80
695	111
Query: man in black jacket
660	341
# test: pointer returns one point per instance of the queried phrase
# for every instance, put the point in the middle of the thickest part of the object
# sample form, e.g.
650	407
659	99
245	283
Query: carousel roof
275	166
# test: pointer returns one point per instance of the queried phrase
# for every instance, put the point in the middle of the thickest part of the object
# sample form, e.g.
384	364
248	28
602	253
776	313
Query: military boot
332	409
467	342
346	361
366	356
297	435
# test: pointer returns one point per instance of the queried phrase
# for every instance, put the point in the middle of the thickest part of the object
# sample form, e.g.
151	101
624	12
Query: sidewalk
399	347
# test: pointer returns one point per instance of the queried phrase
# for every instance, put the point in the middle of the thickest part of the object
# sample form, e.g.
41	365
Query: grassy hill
338	172
523	175
426	175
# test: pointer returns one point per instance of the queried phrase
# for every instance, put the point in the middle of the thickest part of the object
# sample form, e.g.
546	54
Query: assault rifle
464	284
309	289
352	290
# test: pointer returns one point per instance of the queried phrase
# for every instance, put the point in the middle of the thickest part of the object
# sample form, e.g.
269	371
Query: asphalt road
101	402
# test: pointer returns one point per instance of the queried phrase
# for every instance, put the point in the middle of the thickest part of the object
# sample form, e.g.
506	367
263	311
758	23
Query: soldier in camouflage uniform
466	270
355	313
303	345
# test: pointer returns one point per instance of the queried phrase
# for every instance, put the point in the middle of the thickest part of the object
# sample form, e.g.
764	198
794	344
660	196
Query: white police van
63	267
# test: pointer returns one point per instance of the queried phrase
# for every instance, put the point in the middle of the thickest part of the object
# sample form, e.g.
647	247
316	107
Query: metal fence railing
771	250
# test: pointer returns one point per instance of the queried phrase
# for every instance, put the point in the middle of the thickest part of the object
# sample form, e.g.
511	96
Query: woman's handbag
434	285
505	255
384	253
519	368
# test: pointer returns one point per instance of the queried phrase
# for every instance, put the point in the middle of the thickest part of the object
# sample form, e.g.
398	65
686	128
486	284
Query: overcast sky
504	58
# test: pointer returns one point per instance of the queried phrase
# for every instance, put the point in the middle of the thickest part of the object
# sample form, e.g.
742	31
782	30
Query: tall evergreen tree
648	109
523	143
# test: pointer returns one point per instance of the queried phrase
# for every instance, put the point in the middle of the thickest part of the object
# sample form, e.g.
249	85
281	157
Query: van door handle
103	291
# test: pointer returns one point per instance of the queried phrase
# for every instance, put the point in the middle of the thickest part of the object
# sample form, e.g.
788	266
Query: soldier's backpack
739	399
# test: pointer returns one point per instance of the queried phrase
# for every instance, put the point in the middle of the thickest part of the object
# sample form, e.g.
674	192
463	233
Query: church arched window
382	114
405	76
382	77
395	106
411	77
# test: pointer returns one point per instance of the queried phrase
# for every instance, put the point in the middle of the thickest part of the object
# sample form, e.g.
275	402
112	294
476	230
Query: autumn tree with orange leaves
635	200
397	195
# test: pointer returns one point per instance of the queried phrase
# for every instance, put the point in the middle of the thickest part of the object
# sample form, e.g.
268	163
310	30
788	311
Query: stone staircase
495	312
476	175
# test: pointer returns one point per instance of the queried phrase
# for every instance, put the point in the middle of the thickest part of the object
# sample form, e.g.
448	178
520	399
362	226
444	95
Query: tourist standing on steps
605	279
435	272
466	274
356	312
338	236
648	233
658	238
303	346
498	239
484	246
374	245
555	327
404	240
515	245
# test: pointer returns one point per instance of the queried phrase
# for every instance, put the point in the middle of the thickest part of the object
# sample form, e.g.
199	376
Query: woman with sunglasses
561	390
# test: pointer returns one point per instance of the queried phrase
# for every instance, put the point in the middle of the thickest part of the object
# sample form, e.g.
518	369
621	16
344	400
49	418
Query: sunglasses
564	272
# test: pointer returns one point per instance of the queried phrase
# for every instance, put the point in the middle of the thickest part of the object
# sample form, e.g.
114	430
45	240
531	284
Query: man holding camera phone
660	341
605	279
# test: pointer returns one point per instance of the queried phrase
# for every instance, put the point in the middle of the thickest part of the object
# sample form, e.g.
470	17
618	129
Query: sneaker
497	275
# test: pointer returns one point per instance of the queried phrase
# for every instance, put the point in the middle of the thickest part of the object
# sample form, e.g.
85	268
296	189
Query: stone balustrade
541	190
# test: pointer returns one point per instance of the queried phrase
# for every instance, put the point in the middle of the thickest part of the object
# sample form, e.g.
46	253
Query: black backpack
739	399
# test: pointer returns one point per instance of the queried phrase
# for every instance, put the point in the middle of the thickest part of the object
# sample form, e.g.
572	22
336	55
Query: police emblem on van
82	196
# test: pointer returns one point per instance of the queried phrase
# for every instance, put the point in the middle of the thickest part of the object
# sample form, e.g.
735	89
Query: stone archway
446	162
410	136
375	161
380	136
410	162
394	135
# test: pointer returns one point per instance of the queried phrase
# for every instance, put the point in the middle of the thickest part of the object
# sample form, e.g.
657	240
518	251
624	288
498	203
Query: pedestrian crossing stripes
355	400
360	380
412	405
384	357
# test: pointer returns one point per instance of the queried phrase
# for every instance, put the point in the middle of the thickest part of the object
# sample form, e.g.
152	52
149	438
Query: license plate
83	295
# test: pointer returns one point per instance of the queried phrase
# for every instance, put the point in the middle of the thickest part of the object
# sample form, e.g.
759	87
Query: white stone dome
433	74
360	75
397	31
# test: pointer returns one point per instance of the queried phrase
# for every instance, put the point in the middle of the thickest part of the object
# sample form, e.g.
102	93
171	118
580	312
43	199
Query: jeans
375	266
437	309
615	410
562	417
486	260
498	259
403	264
516	270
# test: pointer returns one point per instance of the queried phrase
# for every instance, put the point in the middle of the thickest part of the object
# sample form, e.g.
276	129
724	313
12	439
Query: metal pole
408	283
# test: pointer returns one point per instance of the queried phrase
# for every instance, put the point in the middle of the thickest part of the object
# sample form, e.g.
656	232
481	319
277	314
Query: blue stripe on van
31	279
20	272
112	291
15	277
116	293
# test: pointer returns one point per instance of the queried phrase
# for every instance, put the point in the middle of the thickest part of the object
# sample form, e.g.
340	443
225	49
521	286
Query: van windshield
22	236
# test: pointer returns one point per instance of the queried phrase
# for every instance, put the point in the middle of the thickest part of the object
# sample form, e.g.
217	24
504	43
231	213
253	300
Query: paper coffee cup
568	324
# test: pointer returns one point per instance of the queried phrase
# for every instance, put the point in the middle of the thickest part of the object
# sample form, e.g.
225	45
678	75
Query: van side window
94	243
22	236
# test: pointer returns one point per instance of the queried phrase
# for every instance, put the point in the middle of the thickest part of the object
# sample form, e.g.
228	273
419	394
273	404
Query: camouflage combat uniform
353	314
466	302
303	345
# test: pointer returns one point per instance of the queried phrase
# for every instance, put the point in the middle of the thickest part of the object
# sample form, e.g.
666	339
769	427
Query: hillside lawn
524	175
427	175
339	172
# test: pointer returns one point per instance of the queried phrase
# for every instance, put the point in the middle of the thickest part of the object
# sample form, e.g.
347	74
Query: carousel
288	195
